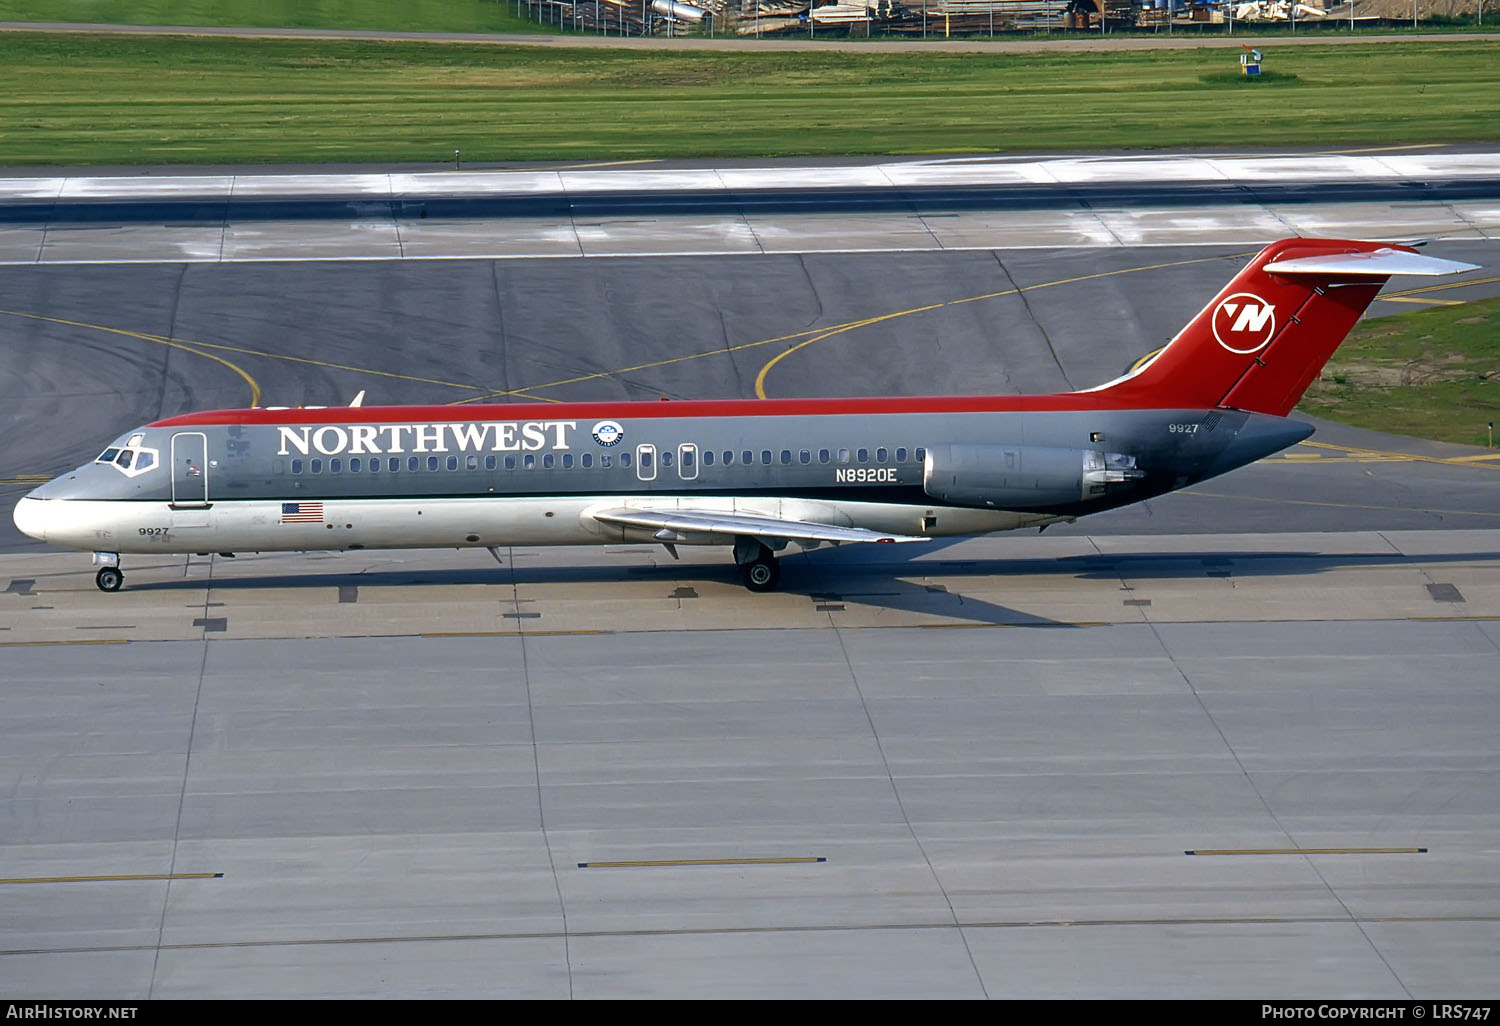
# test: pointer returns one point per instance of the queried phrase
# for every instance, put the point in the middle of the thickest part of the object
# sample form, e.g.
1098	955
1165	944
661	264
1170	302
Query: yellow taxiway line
654	864
760	379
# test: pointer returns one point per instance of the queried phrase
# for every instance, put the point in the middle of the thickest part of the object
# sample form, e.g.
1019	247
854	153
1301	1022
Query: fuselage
398	477
753	475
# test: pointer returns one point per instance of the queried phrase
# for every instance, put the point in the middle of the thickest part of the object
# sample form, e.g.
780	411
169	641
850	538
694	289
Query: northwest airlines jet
748	474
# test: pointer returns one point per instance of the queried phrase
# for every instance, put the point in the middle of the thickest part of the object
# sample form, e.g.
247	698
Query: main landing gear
757	564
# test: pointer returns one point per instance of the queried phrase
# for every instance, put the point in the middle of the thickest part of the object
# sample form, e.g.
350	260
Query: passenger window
395	464
316	466
786	456
587	459
452	462
489	463
749	457
804	456
645	460
548	461
529	461
864	455
605	461
882	454
687	459
901	454
843	455
432	463
708	457
666	459
765	457
921	454
728	457
823	456
567	461
296	466
510	463
335	466
356	464
375	465
624	459
471	462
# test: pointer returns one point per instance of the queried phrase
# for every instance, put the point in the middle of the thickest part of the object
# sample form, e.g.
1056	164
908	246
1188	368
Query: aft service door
189	469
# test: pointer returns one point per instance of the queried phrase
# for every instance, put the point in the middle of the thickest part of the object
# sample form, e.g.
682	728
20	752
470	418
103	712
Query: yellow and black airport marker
110	879
1307	851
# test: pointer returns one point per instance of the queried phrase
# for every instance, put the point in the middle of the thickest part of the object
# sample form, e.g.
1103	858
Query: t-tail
1263	339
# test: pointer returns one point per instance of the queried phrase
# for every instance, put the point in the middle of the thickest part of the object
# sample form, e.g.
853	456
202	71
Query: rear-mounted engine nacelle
1023	476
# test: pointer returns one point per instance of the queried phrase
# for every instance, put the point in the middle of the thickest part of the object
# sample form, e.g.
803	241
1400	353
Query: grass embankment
1430	374
101	100
387	15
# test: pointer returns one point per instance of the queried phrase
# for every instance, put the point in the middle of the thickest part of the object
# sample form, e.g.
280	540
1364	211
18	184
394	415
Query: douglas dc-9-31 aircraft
755	475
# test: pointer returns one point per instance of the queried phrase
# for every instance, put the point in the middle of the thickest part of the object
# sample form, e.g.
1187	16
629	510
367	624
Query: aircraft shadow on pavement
829	592
1161	566
834	584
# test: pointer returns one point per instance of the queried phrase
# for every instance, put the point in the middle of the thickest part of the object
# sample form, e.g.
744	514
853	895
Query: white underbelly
264	526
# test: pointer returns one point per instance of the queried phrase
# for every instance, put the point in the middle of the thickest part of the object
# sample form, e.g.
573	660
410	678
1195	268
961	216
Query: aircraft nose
30	517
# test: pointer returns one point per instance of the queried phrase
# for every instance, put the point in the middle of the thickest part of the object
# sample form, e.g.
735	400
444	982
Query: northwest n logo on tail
1243	323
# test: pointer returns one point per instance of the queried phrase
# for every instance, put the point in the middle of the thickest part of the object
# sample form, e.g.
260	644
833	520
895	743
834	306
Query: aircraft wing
697	521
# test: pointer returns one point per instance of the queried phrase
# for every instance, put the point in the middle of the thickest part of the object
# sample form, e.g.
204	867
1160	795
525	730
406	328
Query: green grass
388	15
1238	80
1430	374
111	100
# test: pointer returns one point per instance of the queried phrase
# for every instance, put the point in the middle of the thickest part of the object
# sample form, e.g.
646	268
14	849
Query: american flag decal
301	512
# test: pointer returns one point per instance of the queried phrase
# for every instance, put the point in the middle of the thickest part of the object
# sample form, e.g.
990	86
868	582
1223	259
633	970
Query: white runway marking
386	217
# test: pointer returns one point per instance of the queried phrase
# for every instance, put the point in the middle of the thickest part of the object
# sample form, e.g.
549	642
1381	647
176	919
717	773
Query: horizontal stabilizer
1380	261
711	522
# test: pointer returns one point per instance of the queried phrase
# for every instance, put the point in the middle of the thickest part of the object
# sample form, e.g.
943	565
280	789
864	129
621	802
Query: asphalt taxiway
1236	742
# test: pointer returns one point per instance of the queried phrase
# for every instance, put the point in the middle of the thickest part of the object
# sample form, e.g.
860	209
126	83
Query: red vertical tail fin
1267	334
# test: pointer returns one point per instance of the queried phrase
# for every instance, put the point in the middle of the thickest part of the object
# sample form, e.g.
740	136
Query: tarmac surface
1237	742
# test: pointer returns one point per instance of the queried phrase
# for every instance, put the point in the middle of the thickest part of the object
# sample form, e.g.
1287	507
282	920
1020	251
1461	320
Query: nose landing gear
110	576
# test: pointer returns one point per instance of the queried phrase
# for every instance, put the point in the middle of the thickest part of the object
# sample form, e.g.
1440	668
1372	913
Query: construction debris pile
1275	10
631	17
940	18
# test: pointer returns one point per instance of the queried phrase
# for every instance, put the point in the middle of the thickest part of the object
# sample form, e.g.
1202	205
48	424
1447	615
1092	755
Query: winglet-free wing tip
1379	261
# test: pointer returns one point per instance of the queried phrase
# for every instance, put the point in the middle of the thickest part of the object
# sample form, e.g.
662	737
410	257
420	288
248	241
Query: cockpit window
130	460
